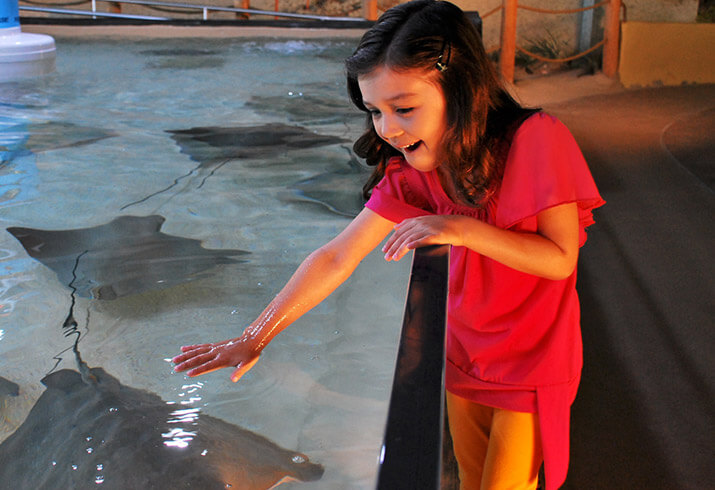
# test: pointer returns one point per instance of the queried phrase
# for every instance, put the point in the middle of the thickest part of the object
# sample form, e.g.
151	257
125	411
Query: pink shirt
513	339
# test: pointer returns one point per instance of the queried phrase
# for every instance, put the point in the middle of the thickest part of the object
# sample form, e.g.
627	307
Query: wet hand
422	231
203	358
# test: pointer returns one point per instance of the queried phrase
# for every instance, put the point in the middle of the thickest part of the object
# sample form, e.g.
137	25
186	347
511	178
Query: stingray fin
8	387
64	379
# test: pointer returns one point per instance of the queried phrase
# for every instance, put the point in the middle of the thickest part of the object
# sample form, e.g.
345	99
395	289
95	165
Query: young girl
458	161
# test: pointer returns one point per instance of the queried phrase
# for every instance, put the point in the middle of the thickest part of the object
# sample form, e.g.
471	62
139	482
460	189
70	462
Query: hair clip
442	66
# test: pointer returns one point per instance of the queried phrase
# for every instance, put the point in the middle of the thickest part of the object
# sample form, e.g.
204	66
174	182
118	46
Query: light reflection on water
321	387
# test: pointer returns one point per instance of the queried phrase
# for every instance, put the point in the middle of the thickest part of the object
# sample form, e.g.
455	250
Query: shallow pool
157	193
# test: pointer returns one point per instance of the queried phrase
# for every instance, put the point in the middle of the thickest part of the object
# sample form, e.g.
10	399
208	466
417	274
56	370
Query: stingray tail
69	327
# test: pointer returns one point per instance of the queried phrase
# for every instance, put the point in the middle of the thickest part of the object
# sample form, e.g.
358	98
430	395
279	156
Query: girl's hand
421	231
204	358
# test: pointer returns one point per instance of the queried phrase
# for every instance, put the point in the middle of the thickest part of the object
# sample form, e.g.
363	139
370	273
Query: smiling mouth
412	147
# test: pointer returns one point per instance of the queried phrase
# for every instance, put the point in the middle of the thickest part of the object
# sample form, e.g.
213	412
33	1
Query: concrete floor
644	417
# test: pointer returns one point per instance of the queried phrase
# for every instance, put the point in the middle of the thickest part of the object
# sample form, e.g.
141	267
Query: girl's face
409	112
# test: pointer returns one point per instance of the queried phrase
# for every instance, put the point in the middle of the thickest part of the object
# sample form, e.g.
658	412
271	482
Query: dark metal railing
204	9
411	456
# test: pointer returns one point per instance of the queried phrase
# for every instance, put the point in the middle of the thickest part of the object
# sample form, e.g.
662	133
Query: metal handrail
411	456
91	14
204	8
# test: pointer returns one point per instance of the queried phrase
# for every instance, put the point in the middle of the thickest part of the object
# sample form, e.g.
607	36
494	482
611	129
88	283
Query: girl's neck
448	186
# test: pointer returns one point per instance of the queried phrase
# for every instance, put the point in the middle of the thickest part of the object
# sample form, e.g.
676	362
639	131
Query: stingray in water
184	59
7	388
340	191
214	143
88	429
126	256
39	137
214	146
306	108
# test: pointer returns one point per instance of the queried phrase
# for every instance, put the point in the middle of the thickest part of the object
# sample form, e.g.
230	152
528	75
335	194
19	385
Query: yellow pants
495	449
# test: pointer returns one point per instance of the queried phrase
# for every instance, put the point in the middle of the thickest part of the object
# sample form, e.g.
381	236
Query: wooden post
507	52
369	9
242	4
612	34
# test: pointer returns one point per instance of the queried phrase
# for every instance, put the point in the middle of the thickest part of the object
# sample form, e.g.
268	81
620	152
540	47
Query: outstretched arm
550	252
318	276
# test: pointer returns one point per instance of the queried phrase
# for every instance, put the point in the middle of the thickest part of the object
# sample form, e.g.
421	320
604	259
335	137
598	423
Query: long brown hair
481	115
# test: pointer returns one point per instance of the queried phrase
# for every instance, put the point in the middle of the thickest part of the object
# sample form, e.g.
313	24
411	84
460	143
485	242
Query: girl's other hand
204	358
422	231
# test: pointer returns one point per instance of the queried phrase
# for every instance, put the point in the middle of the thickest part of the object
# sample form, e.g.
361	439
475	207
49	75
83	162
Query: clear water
322	387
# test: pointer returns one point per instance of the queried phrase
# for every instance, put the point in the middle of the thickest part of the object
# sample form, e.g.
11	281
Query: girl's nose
388	128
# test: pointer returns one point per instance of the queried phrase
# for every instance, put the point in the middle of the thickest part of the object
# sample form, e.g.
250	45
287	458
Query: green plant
547	47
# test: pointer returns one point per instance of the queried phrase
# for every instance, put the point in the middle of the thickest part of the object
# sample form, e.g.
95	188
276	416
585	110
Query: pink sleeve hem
393	209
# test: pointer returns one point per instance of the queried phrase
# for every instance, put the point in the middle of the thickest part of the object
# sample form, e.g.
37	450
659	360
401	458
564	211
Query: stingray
214	146
7	388
126	256
211	144
181	52
184	59
87	430
39	137
339	191
305	108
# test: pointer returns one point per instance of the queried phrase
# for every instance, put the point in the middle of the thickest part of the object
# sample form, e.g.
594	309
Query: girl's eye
374	112
404	110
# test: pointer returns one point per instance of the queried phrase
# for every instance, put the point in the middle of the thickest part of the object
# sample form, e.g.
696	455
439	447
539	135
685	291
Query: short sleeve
393	199
545	168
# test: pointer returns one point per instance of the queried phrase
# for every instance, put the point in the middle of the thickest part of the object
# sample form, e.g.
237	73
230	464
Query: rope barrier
565	11
562	60
492	11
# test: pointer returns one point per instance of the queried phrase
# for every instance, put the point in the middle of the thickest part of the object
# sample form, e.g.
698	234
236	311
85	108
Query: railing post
242	4
369	9
411	456
508	40
612	34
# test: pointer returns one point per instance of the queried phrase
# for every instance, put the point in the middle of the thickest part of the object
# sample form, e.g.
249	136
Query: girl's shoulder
542	126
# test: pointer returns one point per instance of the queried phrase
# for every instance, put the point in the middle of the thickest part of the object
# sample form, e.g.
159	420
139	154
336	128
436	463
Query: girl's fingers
189	348
206	367
192	360
402	241
395	243
242	369
188	354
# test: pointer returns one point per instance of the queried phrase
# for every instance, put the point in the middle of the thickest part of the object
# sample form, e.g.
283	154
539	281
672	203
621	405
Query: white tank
22	54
